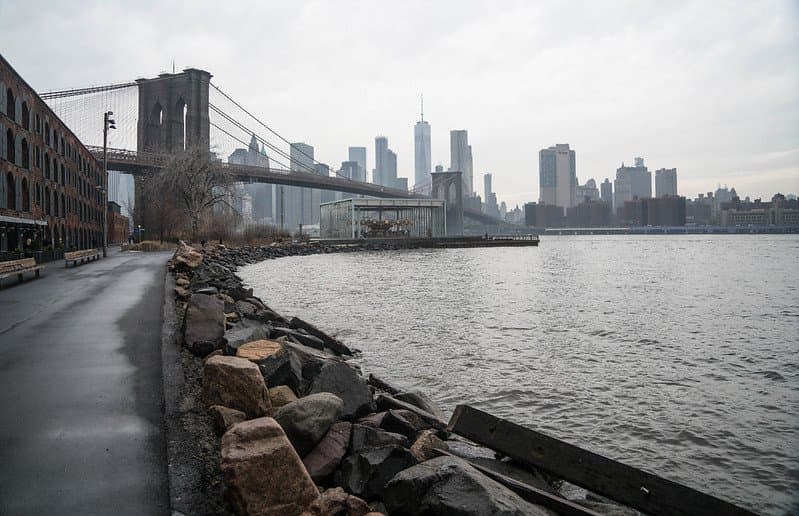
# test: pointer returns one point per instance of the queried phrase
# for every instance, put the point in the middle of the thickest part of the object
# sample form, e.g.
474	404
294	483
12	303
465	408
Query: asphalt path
81	395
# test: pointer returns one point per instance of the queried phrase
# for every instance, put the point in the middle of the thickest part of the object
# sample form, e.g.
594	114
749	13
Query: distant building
385	172
606	192
460	159
297	205
588	191
118	225
661	211
491	206
557	176
665	182
631	183
358	155
699	211
779	212
260	207
590	213
349	169
542	215
422	158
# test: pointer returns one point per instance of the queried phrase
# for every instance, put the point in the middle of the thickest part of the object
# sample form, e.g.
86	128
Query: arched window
11	192
11	148
46	134
26	157
46	201
63	206
26	195
26	116
46	166
63	175
11	105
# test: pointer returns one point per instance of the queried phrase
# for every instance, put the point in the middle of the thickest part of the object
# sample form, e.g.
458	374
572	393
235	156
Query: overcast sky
711	88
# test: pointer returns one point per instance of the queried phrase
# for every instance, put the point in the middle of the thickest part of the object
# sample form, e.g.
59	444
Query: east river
677	354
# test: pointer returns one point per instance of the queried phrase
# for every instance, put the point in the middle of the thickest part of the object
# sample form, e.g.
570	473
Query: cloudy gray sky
711	88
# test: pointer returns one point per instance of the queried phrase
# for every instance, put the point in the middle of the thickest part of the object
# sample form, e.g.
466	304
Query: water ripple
675	354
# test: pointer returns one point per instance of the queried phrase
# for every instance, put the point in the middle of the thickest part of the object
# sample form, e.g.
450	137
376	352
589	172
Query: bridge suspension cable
84	91
217	88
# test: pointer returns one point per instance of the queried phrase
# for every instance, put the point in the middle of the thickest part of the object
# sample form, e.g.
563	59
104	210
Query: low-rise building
779	212
118	224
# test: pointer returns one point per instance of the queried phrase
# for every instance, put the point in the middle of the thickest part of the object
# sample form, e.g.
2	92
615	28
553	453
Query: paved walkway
81	398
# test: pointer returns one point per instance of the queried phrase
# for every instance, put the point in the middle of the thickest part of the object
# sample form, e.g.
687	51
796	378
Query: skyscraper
298	205
260	208
381	149
631	182
665	182
606	189
460	158
422	151
557	176
358	155
491	207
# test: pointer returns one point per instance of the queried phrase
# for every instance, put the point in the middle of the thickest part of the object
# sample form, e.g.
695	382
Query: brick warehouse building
48	179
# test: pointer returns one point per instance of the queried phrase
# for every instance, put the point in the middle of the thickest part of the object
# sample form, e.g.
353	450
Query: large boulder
326	456
365	473
263	473
342	380
235	383
336	502
449	486
204	324
307	420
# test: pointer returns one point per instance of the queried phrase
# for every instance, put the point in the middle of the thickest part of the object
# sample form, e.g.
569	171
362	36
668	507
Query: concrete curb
182	450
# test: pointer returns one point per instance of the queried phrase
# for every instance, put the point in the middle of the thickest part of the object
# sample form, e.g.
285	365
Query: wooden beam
625	484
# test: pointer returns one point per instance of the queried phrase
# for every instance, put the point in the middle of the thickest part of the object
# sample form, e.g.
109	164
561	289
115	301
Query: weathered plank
529	493
625	484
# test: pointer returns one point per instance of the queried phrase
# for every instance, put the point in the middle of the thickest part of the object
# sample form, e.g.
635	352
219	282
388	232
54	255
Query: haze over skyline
709	88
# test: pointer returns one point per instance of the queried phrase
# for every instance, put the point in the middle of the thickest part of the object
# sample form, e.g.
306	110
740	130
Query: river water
677	354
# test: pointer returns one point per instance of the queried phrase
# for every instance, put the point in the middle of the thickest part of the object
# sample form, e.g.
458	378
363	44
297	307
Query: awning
19	220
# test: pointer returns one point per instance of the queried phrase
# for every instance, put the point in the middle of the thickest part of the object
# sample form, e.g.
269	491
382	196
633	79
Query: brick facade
48	179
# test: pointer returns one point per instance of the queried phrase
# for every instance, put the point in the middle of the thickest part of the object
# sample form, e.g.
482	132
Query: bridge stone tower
449	187
173	116
173	112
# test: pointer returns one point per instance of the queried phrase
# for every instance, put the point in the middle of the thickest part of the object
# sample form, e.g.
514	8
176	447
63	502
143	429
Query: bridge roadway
82	429
139	163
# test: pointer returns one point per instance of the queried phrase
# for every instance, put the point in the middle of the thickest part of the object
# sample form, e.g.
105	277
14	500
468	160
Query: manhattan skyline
707	88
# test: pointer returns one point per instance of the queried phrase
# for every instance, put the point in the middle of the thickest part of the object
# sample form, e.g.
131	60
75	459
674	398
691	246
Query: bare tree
197	183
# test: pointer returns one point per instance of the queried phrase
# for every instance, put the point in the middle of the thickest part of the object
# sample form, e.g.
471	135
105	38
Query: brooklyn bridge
158	117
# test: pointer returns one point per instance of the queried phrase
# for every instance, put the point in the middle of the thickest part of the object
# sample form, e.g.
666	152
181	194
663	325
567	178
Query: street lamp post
108	123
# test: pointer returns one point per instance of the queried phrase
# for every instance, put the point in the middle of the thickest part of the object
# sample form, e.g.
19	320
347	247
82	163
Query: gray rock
367	438
243	333
421	400
323	460
301	337
204	324
342	380
450	486
365	473
403	422
307	420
